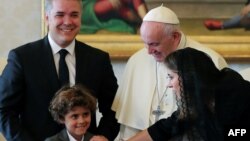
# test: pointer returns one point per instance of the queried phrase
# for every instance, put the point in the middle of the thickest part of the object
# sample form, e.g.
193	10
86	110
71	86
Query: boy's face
77	121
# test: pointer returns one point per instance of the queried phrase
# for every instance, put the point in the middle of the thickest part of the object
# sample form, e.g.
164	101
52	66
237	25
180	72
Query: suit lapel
48	65
81	62
63	136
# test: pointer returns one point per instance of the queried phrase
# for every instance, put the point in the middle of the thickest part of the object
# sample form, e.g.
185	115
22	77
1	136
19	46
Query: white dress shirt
70	58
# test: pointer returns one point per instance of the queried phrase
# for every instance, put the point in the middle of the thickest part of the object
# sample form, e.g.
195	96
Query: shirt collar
55	47
71	138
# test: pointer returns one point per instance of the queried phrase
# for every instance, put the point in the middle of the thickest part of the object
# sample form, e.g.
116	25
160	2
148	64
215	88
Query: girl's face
174	82
77	121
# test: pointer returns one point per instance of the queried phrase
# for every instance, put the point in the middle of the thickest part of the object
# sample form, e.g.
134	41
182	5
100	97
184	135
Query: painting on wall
122	16
111	16
117	32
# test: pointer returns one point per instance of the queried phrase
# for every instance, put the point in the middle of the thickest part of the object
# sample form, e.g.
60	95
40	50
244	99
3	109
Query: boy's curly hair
69	97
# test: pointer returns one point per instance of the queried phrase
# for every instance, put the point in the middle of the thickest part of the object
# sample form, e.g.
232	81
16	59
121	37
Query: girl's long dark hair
197	76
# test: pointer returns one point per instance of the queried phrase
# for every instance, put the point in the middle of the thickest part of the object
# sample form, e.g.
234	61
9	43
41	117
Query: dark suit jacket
30	80
63	136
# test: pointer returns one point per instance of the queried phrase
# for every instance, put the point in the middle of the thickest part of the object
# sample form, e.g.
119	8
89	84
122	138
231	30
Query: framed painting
121	46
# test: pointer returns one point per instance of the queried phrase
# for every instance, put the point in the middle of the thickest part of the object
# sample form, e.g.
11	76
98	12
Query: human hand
98	138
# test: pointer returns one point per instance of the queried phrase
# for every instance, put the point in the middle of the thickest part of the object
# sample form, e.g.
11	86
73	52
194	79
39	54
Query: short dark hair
69	97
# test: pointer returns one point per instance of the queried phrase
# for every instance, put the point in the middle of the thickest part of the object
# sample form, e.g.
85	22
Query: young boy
72	106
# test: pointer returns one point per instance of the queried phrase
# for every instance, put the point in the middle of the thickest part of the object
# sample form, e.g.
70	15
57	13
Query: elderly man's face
158	43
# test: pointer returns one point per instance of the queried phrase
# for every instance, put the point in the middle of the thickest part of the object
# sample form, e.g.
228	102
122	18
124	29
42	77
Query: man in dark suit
30	78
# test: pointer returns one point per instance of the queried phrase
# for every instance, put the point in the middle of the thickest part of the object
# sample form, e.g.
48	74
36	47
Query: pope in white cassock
143	97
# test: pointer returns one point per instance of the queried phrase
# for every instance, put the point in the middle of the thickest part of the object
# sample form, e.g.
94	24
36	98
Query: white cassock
137	95
245	73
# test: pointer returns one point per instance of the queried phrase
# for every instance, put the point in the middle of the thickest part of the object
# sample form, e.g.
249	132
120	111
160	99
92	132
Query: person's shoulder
140	60
60	136
191	41
27	46
29	49
52	138
230	77
228	72
140	55
88	136
212	53
89	49
245	73
197	45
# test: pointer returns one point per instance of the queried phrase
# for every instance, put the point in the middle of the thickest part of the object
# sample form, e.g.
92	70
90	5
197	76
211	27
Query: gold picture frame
123	46
233	47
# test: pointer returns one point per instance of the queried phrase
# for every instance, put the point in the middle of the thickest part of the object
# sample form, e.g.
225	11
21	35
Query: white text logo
237	132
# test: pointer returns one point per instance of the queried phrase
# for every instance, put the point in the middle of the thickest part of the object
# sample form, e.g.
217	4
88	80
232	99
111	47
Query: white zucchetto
161	14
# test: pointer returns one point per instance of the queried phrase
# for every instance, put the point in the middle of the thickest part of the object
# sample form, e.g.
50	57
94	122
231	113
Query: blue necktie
63	68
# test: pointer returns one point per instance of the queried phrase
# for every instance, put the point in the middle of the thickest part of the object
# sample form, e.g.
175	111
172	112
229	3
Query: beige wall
20	22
